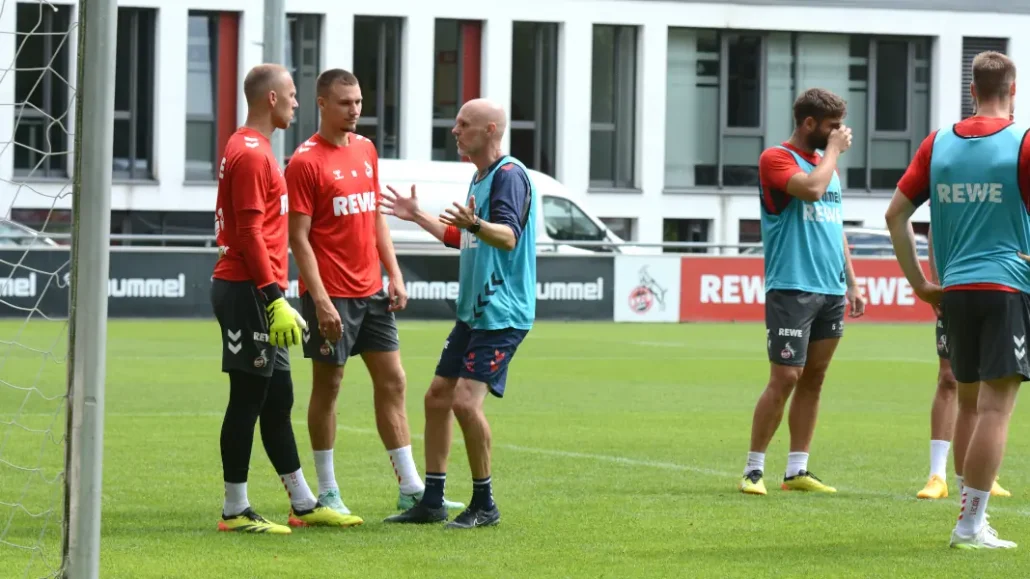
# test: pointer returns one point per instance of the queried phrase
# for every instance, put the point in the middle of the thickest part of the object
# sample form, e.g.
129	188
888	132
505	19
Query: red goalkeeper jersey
251	222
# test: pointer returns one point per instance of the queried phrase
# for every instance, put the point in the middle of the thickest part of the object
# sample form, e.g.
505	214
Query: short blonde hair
993	75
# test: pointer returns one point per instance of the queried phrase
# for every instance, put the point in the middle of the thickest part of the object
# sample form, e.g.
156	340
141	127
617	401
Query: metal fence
177	242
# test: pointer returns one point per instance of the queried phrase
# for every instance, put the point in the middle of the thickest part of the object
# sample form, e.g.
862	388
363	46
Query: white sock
755	461
961	481
974	509
796	462
235	499
405	470
325	470
298	491
939	457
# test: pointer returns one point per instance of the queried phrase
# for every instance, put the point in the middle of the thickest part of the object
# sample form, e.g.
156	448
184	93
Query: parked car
563	221
14	234
867	242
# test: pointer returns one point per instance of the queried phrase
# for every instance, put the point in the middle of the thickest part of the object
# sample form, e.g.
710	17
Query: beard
816	141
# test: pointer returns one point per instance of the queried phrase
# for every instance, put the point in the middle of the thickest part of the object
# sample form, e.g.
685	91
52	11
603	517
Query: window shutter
971	46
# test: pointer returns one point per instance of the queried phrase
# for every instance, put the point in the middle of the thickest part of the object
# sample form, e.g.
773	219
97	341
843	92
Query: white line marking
731	477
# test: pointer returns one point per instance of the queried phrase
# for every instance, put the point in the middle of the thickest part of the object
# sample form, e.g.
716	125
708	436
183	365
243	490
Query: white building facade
656	110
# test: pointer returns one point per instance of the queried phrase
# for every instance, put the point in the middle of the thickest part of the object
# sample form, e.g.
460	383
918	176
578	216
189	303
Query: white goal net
41	172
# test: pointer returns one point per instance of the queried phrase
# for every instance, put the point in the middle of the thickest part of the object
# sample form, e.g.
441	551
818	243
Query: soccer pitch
617	452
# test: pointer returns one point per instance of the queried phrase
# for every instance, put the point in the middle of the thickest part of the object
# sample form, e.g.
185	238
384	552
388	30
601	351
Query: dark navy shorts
794	319
481	355
986	334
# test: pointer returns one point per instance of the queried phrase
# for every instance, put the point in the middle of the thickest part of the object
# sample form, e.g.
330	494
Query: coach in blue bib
496	232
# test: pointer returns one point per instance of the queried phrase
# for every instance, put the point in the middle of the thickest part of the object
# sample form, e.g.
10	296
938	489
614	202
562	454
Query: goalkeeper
257	324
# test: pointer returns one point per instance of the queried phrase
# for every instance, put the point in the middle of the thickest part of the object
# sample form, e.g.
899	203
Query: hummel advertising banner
177	284
732	289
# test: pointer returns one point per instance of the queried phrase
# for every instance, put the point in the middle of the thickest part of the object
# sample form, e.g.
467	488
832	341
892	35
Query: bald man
257	324
496	232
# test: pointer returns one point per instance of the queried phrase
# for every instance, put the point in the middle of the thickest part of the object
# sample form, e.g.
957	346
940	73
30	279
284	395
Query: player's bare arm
929	249
388	257
856	299
407	209
812	186
493	234
933	265
898	216
329	323
301	182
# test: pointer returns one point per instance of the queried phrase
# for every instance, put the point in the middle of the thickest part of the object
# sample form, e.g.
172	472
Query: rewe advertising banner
724	289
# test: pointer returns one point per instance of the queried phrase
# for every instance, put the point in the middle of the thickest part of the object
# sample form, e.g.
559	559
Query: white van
561	219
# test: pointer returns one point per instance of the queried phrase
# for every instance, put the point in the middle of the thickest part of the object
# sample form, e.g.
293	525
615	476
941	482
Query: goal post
90	264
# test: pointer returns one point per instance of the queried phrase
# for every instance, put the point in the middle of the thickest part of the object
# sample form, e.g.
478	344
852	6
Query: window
970	48
201	95
162	223
625	228
41	123
889	78
565	221
303	58
377	64
534	82
211	89
57	221
456	77
613	107
685	230
730	95
749	231
134	94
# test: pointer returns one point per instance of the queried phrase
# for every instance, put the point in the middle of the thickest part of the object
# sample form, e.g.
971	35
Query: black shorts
368	326
795	318
480	355
942	339
986	334
241	315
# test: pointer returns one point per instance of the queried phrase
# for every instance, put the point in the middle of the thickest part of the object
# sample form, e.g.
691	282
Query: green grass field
616	454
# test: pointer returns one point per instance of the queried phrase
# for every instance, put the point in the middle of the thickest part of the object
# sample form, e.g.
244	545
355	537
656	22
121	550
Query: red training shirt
338	187
775	168
251	225
915	183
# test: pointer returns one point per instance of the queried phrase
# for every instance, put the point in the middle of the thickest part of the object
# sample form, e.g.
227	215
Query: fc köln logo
643	297
787	352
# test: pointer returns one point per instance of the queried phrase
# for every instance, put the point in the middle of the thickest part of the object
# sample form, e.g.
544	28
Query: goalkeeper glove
284	324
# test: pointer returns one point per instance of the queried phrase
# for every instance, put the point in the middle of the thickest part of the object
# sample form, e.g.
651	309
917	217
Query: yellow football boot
936	488
322	516
250	522
752	483
997	491
806	481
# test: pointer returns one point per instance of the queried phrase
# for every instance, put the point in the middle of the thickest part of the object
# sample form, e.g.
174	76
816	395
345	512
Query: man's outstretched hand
404	208
460	216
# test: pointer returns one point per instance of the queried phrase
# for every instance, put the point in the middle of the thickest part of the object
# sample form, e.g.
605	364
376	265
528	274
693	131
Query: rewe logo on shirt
823	213
969	192
354	203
